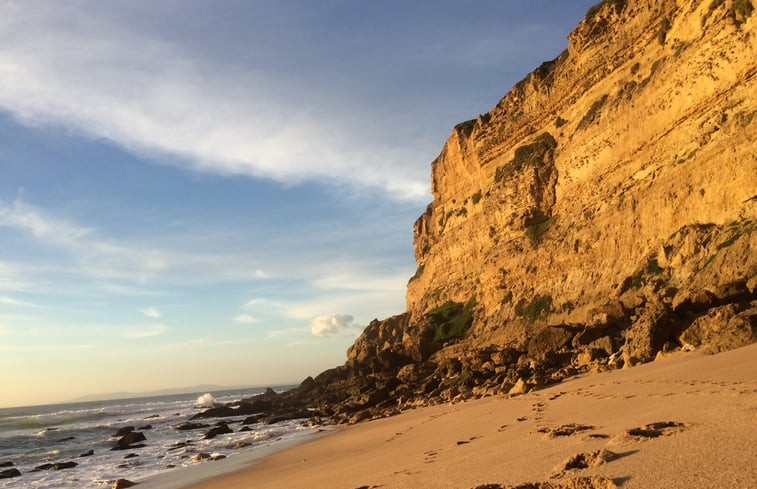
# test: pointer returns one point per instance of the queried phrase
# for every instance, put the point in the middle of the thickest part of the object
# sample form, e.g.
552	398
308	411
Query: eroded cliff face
601	214
591	164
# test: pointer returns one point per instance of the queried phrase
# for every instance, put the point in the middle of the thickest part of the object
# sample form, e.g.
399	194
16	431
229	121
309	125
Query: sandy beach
686	421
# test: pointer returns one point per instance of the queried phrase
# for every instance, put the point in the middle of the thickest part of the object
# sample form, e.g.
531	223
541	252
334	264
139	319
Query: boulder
655	325
722	328
200	457
190	426
520	387
6	464
128	440
56	466
123	484
123	432
88	453
218	430
548	340
8	473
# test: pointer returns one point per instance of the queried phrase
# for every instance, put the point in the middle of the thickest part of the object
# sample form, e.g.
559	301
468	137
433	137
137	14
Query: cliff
600	215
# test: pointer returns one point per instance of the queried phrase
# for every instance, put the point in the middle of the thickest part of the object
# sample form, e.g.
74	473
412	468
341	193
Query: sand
688	421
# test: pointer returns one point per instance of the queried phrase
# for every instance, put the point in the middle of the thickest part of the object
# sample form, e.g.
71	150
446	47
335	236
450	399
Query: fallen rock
128	441
190	426
8	473
123	432
123	484
218	430
56	466
723	328
651	329
520	387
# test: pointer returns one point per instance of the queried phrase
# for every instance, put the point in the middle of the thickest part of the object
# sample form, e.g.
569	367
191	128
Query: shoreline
196	474
708	400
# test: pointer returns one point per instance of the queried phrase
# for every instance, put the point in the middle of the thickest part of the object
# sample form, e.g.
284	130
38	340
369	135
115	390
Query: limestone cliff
602	213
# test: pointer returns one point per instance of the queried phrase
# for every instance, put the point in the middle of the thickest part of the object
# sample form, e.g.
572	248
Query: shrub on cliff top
527	155
450	320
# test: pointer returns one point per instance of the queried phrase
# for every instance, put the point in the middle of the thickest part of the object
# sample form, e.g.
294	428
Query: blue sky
223	192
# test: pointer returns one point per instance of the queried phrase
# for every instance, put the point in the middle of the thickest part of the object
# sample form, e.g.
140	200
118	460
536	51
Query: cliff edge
602	214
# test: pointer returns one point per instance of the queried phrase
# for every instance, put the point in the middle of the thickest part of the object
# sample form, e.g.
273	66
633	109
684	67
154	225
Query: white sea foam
206	400
90	426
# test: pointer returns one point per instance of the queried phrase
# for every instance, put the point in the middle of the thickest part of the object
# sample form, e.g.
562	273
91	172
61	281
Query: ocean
62	433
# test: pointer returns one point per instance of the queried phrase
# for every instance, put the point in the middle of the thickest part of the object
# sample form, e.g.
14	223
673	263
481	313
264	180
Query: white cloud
151	312
9	301
74	67
95	256
145	331
333	324
260	274
245	319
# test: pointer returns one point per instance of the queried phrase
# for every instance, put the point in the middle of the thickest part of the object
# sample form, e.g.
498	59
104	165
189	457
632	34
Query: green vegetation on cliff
533	154
450	320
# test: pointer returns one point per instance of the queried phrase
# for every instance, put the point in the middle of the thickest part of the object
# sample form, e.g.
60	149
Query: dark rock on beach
145	427
88	453
8	473
128	441
123	484
68	438
56	466
123	431
190	426
6	464
221	429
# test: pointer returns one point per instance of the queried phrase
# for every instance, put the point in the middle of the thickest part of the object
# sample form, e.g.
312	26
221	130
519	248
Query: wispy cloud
151	312
9	301
72	66
245	319
95	256
148	331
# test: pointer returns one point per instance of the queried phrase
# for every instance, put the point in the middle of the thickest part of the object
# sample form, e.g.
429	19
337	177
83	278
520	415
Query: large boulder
652	327
129	440
549	340
221	429
8	473
723	328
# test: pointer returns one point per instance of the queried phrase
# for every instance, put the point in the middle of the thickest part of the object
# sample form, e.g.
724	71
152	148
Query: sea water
33	436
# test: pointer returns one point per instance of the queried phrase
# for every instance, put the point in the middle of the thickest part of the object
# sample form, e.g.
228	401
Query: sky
223	192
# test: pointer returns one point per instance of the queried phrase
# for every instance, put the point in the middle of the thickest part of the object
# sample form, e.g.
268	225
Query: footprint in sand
463	442
564	430
577	483
647	432
430	456
582	461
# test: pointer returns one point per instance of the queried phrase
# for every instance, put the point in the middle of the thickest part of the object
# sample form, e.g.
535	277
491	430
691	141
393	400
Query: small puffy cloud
245	319
333	324
260	274
151	312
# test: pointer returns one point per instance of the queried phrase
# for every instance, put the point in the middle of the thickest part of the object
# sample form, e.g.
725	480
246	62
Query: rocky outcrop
604	211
